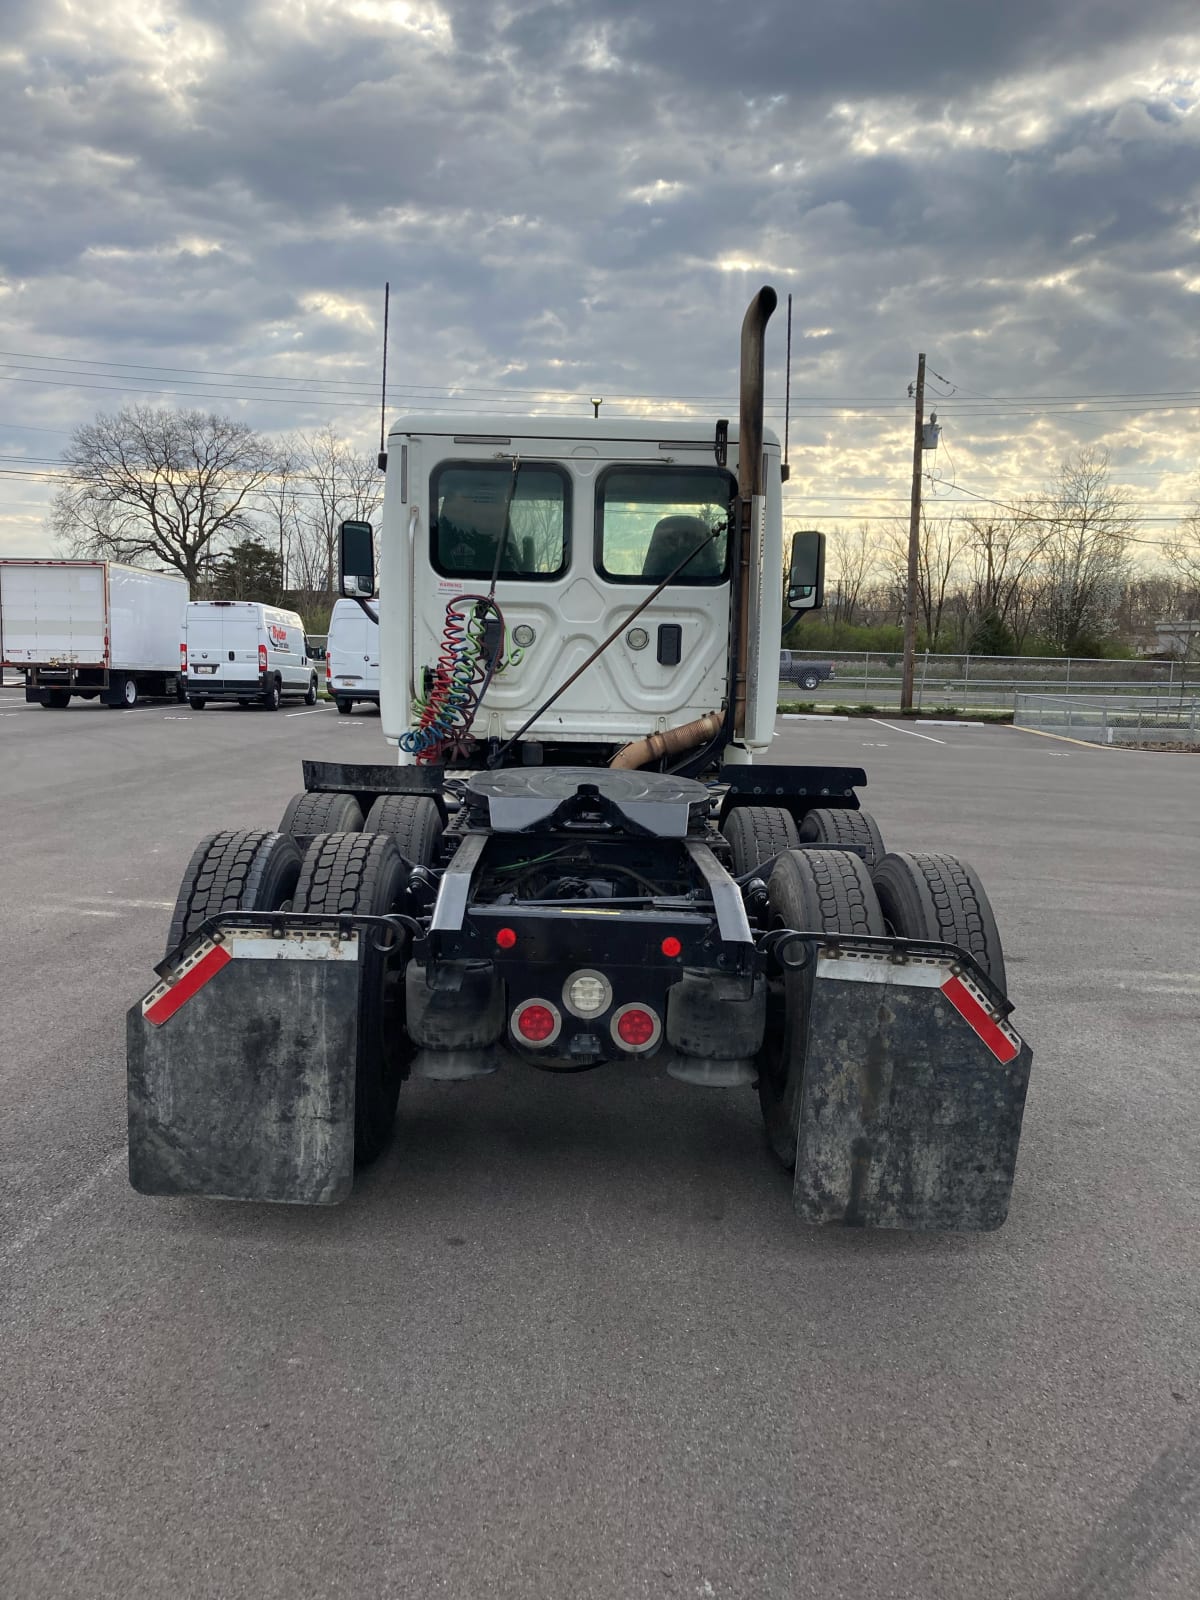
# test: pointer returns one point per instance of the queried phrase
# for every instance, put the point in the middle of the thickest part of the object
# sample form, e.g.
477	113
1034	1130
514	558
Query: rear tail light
636	1028
587	993
262	658
537	1023
183	658
328	670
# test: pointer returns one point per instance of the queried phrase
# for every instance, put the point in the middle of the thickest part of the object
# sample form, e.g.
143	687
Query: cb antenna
387	291
787	393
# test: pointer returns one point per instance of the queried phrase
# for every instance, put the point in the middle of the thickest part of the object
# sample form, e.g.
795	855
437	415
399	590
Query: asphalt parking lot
566	1339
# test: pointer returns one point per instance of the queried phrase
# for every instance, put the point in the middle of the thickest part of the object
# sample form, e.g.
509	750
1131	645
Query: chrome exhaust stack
751	485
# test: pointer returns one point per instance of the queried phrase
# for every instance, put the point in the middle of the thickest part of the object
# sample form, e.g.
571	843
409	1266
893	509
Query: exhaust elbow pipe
751	390
752	383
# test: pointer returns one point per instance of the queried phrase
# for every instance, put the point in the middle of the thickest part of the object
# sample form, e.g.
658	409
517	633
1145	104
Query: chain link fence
1137	720
964	681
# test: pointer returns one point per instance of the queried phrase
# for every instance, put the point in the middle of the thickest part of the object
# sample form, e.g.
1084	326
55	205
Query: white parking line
913	731
315	712
30	1234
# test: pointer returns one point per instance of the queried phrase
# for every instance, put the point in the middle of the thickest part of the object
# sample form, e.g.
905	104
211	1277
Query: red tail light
636	1028
262	658
183	658
328	670
536	1022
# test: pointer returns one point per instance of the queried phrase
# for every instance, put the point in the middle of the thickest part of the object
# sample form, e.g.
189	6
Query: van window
467	503
648	518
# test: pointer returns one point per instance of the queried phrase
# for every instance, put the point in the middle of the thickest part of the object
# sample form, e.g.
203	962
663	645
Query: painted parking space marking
893	729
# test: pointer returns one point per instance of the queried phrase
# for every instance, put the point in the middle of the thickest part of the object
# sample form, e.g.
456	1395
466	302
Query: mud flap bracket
241	1068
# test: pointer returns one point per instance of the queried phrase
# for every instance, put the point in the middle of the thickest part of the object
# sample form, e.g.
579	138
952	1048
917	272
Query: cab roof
476	428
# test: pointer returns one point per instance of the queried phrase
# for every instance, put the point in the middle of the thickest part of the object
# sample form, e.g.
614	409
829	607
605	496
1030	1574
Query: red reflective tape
964	1002
193	980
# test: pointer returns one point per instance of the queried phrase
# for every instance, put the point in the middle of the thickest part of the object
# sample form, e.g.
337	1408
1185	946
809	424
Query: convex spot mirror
356	560
806	572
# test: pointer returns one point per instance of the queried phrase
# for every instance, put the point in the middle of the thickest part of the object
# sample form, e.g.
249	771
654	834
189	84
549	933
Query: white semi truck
584	855
98	630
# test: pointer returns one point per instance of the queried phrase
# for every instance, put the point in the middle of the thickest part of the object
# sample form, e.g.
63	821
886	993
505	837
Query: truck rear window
649	518
468	521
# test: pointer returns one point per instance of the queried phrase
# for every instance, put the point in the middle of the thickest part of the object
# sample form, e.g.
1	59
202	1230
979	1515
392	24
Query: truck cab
569	532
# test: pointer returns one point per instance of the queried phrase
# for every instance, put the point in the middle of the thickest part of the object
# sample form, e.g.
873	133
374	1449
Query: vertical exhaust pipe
751	388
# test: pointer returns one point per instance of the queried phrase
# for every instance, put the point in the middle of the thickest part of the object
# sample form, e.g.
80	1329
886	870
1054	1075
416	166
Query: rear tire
55	699
412	820
254	871
756	834
128	694
925	895
345	707
844	829
810	680
197	702
310	814
344	873
819	891
310	698
271	697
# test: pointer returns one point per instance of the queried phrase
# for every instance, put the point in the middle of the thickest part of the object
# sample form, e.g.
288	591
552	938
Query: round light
635	1027
535	1023
671	946
587	993
637	638
523	635
506	938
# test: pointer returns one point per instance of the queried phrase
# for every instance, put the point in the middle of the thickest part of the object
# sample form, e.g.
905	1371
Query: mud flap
241	1068
914	1089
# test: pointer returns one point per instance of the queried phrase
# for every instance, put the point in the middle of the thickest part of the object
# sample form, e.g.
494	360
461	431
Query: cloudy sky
203	199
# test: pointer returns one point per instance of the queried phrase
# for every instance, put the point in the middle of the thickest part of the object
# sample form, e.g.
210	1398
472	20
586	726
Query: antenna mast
787	400
387	289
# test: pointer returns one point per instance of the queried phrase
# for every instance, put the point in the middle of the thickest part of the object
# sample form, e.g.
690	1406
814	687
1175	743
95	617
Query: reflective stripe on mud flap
929	973
252	944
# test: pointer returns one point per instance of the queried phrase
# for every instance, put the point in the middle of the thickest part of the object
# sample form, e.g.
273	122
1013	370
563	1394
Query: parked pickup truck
794	668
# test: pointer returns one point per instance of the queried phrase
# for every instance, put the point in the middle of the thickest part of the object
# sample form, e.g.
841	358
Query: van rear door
223	640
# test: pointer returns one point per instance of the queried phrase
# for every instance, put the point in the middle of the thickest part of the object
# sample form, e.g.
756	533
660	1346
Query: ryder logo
278	636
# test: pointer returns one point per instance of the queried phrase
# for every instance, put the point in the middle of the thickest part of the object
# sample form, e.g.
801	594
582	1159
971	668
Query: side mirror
806	572
356	560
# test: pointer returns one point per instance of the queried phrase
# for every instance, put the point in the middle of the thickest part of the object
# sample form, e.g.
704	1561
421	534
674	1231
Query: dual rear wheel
918	895
340	874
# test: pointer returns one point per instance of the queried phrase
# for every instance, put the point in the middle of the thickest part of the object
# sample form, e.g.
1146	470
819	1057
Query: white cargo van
96	629
352	655
243	650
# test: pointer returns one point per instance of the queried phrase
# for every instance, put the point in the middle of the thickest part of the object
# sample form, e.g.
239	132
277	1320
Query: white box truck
352	655
245	651
96	629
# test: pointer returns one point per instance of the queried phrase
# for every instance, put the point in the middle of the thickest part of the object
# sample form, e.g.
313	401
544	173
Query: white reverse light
587	993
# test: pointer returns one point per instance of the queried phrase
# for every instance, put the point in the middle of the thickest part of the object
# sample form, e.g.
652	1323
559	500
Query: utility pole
914	533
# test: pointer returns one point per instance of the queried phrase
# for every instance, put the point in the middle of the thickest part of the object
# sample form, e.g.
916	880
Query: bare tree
334	484
938	553
1182	552
1001	556
1089	523
172	485
852	559
279	510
